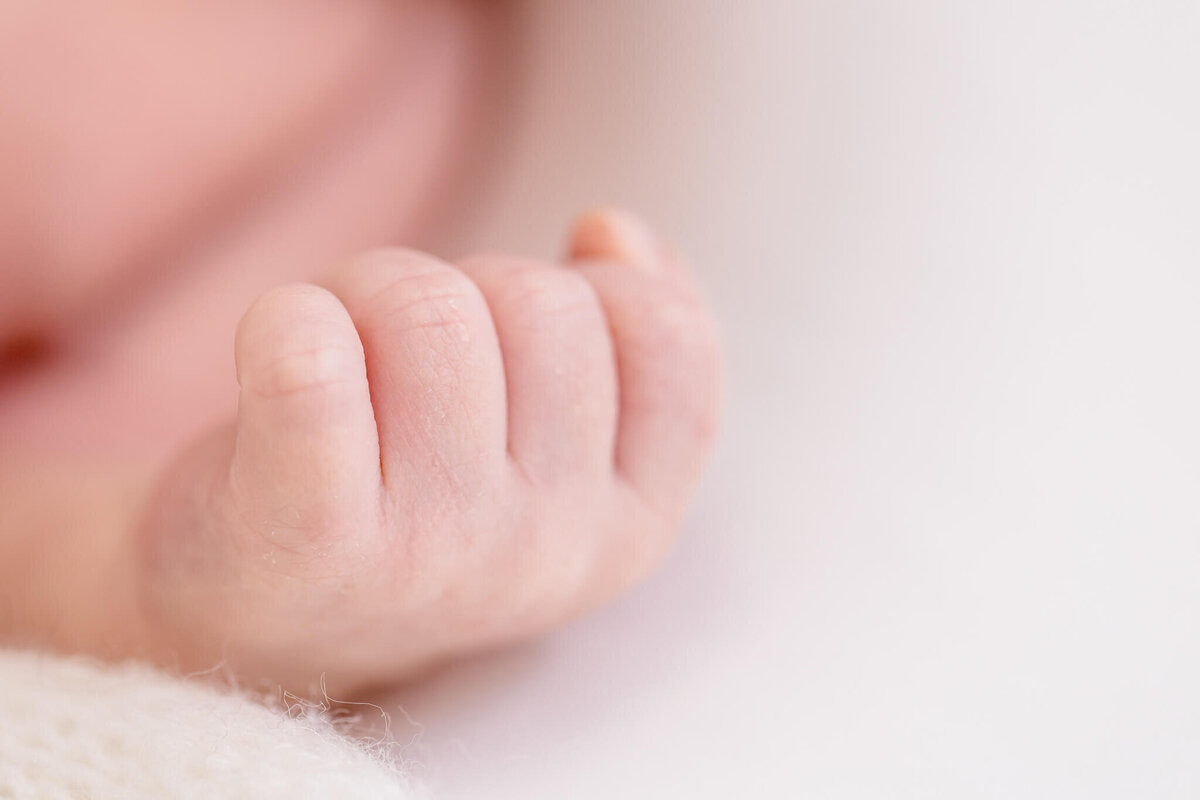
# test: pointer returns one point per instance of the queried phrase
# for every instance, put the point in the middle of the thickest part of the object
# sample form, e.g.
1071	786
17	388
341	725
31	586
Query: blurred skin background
948	546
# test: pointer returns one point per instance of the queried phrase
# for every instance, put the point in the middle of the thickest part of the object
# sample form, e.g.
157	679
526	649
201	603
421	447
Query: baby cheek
121	132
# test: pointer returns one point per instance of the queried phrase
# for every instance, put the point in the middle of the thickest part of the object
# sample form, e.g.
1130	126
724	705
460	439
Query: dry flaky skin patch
73	728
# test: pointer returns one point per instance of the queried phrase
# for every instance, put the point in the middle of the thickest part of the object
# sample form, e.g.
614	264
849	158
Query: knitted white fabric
73	729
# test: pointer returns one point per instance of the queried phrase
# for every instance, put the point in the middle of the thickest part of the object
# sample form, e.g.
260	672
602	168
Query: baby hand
432	459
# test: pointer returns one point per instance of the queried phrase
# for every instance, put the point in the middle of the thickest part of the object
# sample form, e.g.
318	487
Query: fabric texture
71	728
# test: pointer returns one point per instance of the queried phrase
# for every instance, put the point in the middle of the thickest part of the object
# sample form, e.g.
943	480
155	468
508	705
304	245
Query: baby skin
428	459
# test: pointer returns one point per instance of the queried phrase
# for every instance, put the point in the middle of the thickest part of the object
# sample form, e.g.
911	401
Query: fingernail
618	236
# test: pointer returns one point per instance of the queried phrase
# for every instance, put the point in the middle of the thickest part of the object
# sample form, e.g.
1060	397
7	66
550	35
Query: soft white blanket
70	728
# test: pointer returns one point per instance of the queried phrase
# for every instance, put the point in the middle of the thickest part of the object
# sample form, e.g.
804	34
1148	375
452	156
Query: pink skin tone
426	459
185	157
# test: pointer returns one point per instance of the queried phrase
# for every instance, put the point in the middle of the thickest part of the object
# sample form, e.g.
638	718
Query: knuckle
305	370
679	328
681	337
278	307
544	293
296	338
432	299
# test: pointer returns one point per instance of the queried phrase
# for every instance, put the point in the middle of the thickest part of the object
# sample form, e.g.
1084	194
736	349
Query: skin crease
394	473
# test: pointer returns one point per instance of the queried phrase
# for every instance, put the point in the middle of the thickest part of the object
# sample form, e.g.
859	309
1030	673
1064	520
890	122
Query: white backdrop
950	543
